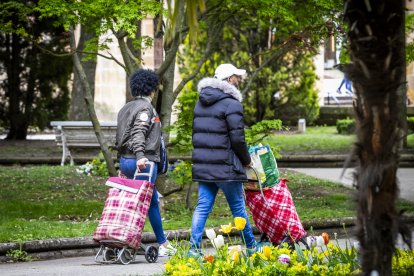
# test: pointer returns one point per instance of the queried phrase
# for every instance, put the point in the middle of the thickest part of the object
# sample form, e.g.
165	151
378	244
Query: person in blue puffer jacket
220	150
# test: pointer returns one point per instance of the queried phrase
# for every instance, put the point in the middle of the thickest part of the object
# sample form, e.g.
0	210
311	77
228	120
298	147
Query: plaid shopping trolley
120	227
274	212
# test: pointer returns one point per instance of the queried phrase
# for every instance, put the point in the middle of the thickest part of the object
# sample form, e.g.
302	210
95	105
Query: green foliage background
35	88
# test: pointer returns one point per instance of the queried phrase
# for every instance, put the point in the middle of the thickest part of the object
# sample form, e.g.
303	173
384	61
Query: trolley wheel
126	256
109	255
151	254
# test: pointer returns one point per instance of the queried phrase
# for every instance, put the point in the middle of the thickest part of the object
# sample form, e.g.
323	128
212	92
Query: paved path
83	266
405	177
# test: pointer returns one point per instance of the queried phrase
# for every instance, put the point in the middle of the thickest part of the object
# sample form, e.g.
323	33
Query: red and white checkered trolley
274	212
120	227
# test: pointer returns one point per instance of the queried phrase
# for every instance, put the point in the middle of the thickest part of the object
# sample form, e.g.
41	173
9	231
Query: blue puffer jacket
220	151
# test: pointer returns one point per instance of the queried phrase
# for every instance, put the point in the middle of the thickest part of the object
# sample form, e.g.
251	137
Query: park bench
80	135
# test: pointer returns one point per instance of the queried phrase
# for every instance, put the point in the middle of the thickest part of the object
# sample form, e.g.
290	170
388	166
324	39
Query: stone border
85	246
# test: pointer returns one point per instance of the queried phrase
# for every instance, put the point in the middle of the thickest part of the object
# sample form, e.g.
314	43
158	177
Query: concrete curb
287	160
85	246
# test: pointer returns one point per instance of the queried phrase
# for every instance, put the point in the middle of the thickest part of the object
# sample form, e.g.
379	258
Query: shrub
96	167
345	126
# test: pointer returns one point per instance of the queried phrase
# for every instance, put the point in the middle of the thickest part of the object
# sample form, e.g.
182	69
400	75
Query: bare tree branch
287	46
209	49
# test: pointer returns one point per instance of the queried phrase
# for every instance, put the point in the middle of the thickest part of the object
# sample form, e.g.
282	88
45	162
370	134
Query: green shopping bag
267	163
270	167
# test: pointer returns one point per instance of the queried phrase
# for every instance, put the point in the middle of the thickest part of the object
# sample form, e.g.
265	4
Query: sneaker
251	251
256	248
166	250
195	254
259	246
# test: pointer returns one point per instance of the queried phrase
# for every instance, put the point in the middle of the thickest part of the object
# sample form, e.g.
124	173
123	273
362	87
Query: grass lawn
39	202
316	140
319	140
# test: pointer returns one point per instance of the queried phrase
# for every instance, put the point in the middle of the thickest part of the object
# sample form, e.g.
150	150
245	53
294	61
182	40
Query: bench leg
62	162
66	152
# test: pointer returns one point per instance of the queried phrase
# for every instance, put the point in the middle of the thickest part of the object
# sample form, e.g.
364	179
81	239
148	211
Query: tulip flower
234	248
211	234
235	256
267	251
209	258
226	228
240	223
284	259
218	242
311	241
320	241
325	237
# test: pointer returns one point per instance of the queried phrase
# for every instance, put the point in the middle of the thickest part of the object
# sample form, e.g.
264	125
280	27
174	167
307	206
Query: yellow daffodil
226	228
267	251
240	223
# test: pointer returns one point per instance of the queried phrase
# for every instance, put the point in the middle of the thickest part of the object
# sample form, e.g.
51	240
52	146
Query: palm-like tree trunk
376	36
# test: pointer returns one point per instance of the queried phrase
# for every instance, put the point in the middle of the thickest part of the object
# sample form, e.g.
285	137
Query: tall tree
274	41
376	37
35	88
119	18
78	109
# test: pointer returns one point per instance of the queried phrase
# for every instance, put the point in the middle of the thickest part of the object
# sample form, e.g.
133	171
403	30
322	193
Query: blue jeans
128	167
207	192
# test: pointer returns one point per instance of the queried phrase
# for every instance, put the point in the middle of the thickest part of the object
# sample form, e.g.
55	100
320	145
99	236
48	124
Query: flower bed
324	257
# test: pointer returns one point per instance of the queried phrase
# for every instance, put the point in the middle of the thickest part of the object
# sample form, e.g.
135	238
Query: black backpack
163	164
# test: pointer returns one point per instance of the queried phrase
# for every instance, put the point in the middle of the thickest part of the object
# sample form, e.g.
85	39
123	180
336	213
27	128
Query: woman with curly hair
138	141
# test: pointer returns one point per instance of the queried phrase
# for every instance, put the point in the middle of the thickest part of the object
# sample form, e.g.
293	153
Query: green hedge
345	126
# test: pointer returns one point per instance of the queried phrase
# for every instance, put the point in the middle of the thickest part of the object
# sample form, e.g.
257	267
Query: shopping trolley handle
149	174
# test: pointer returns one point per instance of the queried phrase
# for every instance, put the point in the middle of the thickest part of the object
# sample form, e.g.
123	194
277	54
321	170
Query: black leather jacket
139	130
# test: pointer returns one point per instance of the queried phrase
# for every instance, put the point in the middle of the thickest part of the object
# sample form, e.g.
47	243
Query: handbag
163	164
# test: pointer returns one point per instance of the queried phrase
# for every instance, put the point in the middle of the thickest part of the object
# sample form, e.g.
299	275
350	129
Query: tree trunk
167	99
16	118
91	107
376	38
78	109
136	51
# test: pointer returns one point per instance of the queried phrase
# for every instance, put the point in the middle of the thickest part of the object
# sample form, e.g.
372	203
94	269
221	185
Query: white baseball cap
226	70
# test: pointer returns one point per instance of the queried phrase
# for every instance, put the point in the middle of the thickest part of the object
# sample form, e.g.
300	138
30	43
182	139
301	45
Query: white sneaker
168	250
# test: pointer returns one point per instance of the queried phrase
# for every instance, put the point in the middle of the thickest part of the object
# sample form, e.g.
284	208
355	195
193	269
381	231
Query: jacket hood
213	90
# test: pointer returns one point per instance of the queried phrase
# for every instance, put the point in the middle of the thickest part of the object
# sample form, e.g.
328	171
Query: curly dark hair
143	82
